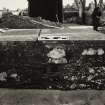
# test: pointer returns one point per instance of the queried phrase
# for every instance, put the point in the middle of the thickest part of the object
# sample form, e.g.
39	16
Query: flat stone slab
72	34
63	33
51	97
19	35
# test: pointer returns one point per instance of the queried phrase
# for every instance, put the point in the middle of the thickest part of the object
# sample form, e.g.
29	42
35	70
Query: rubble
3	76
57	55
92	51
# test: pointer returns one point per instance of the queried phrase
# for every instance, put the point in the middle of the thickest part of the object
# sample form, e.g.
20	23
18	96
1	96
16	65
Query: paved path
51	97
63	33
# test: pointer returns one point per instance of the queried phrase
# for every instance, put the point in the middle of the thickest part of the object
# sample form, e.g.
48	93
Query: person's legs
96	25
95	28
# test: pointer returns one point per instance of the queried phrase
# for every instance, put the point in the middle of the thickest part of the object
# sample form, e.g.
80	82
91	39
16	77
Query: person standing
96	18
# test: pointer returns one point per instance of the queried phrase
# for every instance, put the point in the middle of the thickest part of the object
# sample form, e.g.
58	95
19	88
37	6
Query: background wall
46	9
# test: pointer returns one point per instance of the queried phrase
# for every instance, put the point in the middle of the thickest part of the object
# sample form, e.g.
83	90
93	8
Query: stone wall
64	65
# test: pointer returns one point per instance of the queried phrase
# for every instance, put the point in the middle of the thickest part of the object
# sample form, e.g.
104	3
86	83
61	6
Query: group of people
97	13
